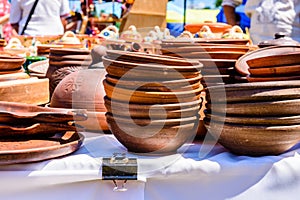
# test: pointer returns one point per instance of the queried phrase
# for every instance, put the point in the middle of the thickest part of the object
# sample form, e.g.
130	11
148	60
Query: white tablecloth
185	175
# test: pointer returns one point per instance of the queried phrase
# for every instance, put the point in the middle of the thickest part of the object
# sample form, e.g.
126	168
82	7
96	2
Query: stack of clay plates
276	63
255	118
33	133
17	86
152	100
63	61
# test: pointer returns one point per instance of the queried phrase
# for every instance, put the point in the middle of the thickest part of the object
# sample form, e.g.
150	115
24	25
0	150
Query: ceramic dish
267	108
242	65
39	67
287	70
25	151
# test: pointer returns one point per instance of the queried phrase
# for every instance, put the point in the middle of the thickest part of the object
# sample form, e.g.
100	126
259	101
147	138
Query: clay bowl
211	55
149	75
204	49
157	111
152	139
69	51
137	57
242	65
214	27
87	95
223	41
282	71
255	92
249	120
289	58
163	86
267	108
255	140
193	67
39	67
150	97
10	62
17	113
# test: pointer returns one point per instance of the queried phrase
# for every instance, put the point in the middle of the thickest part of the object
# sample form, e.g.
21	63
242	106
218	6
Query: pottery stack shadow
63	61
152	101
218	57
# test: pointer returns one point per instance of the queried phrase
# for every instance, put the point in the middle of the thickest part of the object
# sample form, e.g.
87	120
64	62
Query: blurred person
7	30
267	17
48	17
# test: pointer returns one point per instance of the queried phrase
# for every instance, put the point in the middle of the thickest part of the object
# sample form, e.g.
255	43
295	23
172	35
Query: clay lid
280	39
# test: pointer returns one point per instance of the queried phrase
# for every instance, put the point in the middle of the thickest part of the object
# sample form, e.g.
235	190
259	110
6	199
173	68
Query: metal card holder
119	167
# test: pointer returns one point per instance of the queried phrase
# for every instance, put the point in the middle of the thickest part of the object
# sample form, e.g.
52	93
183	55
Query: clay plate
39	67
242	65
137	57
11	112
25	151
287	70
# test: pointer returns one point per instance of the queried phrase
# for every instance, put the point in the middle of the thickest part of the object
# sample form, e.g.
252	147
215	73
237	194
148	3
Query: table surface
196	171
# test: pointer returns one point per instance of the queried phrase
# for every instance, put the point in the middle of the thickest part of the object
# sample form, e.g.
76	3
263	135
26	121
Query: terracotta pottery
210	55
9	62
218	71
155	140
268	108
249	120
39	67
30	90
258	91
215	27
155	85
223	63
242	63
150	97
34	130
96	122
279	40
15	151
255	140
157	111
287	70
290	58
275	78
22	113
13	76
204	49
137	57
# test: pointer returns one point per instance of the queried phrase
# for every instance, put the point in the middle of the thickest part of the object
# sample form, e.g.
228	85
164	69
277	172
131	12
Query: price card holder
119	167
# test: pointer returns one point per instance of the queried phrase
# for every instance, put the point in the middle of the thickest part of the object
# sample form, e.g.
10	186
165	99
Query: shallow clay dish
34	130
152	139
290	58
255	140
11	63
242	65
137	57
16	151
268	108
248	120
39	67
11	112
257	91
291	70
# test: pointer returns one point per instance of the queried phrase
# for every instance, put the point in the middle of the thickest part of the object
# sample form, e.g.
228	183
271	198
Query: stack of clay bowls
255	119
63	61
218	57
83	89
17	86
275	63
152	100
